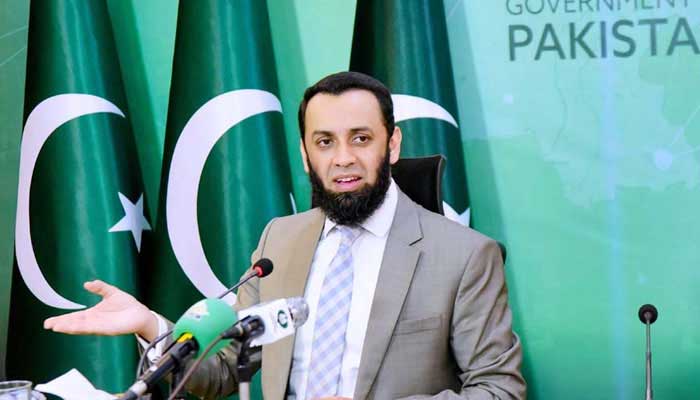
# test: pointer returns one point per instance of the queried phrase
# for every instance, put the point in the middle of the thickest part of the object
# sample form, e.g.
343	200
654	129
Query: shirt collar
380	221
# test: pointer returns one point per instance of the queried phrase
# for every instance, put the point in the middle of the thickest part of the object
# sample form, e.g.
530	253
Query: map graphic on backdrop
608	107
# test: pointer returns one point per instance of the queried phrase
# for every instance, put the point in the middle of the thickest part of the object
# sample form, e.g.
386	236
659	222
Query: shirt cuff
155	353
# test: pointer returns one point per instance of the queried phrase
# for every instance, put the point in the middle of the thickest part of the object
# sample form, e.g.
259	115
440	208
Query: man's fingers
78	323
63	320
100	288
49	322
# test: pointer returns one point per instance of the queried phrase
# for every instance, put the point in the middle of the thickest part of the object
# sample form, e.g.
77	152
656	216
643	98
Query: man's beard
351	208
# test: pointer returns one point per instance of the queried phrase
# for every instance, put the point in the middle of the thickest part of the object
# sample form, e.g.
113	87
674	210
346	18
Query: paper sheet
73	386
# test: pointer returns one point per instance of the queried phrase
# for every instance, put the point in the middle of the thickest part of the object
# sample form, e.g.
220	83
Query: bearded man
403	302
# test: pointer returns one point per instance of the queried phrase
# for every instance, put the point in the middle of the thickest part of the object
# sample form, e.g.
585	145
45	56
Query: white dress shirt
367	254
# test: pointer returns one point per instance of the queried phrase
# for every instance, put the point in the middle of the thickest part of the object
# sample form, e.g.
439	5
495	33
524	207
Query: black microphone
173	359
648	315
262	268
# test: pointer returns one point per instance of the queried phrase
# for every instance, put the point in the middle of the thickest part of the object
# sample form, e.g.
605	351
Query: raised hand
118	313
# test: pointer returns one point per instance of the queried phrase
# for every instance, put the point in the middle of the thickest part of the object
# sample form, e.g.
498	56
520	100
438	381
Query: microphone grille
299	310
263	267
648	312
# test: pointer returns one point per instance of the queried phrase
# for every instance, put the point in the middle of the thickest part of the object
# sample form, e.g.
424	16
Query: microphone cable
151	346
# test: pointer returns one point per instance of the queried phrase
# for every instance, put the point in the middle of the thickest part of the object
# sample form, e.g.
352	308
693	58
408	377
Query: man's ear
395	145
304	157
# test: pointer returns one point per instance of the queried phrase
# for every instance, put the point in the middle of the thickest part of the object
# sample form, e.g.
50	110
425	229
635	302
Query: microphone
273	320
648	315
269	322
198	327
263	324
262	268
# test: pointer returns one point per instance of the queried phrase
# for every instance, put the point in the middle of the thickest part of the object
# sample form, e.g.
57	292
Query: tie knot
349	234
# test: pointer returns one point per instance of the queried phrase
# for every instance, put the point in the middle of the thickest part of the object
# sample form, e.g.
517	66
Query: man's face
345	146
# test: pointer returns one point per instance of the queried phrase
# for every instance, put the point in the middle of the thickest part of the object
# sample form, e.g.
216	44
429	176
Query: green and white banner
225	172
80	206
13	57
404	44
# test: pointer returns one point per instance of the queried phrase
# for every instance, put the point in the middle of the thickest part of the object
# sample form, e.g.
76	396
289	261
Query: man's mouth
347	183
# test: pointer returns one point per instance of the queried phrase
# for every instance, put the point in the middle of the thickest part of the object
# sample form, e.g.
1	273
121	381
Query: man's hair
340	83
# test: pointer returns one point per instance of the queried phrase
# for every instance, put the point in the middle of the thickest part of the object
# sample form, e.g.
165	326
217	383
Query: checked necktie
332	319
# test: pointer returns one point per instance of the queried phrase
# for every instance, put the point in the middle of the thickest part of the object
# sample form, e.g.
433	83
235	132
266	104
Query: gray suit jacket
439	327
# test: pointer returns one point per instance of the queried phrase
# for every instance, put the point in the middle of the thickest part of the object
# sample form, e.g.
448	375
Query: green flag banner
225	171
13	57
80	198
404	44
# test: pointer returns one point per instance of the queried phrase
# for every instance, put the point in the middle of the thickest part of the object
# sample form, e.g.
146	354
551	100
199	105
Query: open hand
118	313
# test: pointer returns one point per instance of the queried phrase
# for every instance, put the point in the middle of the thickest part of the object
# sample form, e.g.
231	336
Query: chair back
421	180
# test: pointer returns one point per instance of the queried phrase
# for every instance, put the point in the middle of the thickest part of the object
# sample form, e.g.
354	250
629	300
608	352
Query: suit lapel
302	253
398	264
277	357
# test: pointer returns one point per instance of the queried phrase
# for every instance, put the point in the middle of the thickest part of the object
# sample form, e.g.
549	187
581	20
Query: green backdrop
586	167
580	127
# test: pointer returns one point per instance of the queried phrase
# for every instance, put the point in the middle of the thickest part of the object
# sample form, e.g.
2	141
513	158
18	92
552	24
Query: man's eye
323	142
361	139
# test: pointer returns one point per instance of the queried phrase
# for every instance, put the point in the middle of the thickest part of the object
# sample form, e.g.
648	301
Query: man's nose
344	156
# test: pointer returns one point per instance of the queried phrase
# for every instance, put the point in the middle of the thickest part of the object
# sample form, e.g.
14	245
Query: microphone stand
649	391
177	373
246	368
176	379
648	315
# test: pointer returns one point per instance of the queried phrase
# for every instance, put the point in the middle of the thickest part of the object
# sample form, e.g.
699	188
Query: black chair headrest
421	180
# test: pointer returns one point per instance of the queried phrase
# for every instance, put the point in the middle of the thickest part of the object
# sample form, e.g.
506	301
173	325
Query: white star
133	220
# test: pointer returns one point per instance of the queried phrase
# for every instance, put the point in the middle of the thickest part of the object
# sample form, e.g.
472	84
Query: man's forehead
349	106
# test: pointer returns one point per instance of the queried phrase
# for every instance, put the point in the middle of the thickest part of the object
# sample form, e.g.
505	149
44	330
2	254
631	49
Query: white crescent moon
44	119
410	107
206	126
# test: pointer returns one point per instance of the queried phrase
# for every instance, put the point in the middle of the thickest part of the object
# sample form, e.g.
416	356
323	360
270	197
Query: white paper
73	386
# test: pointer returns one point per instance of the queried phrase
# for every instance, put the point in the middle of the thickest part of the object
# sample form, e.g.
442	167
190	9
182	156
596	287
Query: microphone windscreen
648	312
263	267
205	320
299	310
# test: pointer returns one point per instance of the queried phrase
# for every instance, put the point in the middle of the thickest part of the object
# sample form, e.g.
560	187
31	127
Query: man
403	302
